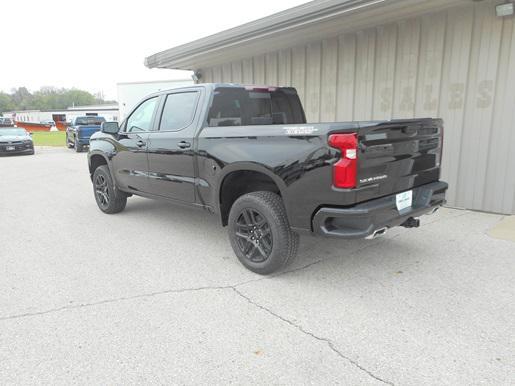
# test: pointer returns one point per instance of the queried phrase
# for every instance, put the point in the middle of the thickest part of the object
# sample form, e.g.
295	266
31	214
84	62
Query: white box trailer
130	93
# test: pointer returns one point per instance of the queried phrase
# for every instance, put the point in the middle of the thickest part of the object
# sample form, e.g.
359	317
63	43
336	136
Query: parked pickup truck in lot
247	154
80	131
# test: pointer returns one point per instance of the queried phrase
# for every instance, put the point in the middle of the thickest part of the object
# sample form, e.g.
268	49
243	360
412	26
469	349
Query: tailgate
88	131
399	155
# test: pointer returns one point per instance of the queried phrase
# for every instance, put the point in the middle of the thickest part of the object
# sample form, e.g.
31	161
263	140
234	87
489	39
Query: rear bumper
83	141
362	220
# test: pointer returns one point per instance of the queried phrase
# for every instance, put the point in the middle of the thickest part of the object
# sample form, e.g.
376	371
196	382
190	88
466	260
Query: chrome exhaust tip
377	233
433	211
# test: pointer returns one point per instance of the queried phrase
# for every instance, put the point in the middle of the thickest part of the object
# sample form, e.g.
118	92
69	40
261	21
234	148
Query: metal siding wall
313	76
346	78
259	70
299	70
248	71
328	84
484	63
284	68
237	75
456	64
386	52
500	152
272	69
406	69
217	74
226	72
453	91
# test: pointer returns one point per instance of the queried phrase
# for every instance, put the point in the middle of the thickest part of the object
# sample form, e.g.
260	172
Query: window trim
125	132
165	98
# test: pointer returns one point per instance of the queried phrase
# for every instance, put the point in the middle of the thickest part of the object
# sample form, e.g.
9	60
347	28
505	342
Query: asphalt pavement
156	295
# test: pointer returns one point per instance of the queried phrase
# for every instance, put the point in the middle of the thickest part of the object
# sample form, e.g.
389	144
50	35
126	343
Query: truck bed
393	156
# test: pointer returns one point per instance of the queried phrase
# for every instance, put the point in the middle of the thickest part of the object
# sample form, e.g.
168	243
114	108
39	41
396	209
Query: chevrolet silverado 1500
246	154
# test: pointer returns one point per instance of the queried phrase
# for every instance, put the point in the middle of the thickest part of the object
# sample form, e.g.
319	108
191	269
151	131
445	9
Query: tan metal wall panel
484	64
365	66
217	74
226	72
284	68
406	68
259	70
386	59
453	91
207	76
272	69
237	75
456	64
248	71
501	156
346	78
432	42
328	84
299	70
313	77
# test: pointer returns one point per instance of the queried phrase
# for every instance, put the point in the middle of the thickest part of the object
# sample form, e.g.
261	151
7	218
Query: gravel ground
155	295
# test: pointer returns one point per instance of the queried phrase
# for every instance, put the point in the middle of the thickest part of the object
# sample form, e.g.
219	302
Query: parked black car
15	140
246	154
80	131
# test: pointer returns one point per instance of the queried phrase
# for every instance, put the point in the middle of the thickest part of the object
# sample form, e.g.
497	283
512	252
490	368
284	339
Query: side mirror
109	127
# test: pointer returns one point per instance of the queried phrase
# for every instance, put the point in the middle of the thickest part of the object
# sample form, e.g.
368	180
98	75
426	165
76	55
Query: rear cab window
83	121
237	106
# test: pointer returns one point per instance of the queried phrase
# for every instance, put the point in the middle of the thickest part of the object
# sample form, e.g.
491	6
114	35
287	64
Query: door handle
140	143
184	145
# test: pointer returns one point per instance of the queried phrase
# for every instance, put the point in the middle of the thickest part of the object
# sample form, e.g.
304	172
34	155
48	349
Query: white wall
129	94
458	64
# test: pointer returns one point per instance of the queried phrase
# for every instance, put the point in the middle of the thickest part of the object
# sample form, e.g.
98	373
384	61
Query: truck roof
212	86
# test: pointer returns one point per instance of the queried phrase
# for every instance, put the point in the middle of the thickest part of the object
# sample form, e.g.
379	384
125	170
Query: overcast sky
93	44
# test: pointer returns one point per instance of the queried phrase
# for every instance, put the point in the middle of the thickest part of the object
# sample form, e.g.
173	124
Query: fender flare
242	167
99	153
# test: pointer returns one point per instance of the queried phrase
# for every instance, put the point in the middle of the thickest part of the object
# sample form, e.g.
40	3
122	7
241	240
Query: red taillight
345	171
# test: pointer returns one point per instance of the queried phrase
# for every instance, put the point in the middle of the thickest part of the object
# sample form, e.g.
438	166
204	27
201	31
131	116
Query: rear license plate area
404	201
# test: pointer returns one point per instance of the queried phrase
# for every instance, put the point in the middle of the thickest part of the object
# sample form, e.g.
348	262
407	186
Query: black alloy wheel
102	191
109	198
260	234
255	238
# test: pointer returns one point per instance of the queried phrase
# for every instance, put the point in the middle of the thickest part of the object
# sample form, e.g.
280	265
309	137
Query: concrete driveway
155	295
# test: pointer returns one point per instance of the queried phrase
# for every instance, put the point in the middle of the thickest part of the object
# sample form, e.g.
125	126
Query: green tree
47	98
22	99
6	103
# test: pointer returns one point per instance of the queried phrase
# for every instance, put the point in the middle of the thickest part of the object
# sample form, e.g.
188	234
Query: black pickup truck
246	154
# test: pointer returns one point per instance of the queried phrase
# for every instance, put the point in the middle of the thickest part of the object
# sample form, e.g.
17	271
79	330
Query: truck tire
68	144
109	199
78	147
260	234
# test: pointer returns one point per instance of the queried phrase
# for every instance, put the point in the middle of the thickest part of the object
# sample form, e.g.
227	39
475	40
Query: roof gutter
291	19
